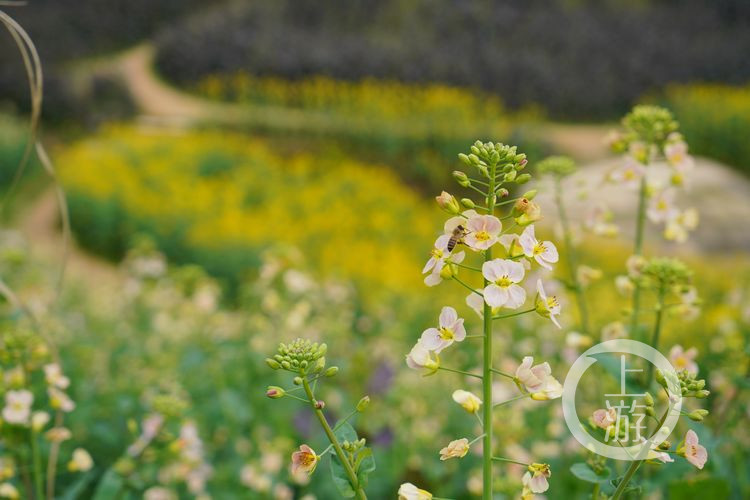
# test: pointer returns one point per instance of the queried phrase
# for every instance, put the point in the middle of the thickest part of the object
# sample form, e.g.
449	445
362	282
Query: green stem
468	374
467	267
657	329
508	460
335	442
343	421
468	287
635	464
494	370
572	259
37	459
487	368
503	316
638	250
522	396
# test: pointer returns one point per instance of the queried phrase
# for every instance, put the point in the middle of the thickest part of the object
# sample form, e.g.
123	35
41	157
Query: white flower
503	290
476	302
81	461
624	285
599	221
483	231
537	482
695	453
604	418
684	360
39	419
677	155
538	380
467	400
54	376
679	226
629	174
543	252
455	449
59	400
451	329
440	254
17	407
548	307
421	357
662	208
7	490
408	491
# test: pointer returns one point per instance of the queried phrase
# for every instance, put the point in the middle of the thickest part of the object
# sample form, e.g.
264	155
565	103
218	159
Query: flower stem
494	370
487	368
37	459
511	400
344	420
468	374
466	267
657	329
572	259
503	316
635	464
335	442
467	286
638	250
508	460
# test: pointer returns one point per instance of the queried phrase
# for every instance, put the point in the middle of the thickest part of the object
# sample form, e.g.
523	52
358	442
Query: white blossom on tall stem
482	231
693	452
543	252
629	174
439	257
684	360
408	491
661	207
420	357
451	329
538	378
548	307
17	407
504	290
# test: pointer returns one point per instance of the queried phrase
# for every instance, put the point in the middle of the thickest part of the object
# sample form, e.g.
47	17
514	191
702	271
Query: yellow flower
467	400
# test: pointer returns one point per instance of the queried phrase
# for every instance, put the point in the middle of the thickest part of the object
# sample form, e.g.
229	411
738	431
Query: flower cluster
510	250
650	133
351	460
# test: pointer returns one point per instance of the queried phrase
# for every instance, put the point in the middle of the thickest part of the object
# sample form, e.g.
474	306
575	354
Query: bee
457	237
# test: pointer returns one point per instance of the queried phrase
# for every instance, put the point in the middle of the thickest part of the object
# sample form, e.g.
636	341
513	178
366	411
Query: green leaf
109	486
364	465
346	433
340	478
585	473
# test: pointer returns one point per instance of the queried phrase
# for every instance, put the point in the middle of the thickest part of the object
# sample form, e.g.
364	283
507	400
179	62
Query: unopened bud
529	195
539	396
510	176
447	272
332	371
483	170
659	376
319	405
702	394
695	416
467	202
297	380
448	203
273	364
502	192
464	159
649	399
461	178
523	178
363	404
275	392
665	445
700	384
650	411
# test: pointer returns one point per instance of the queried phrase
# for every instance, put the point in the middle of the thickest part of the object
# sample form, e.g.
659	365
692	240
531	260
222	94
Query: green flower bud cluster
558	166
484	156
169	405
649	400
664	271
649	124
355	446
299	356
690	387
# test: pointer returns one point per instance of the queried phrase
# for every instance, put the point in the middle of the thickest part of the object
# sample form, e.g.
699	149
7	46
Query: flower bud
464	159
502	192
447	272
286	364
319	405
650	411
665	445
297	380
448	203
461	178
695	416
467	202
320	364
275	392
273	364
510	176
659	376
539	396
483	170
523	178
363	404
529	195
700	384
332	371
702	394
649	399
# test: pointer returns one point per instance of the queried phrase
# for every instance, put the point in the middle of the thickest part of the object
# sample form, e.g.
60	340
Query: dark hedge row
585	59
63	30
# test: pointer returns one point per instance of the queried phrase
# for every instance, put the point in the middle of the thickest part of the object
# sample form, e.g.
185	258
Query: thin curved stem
512	400
335	442
468	374
503	316
468	287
